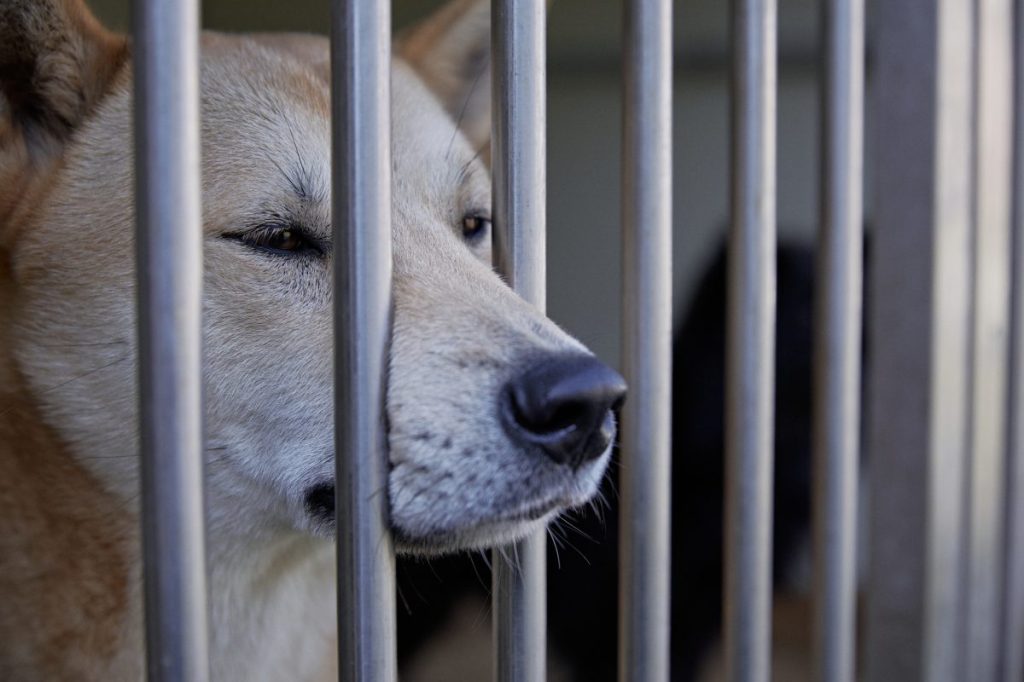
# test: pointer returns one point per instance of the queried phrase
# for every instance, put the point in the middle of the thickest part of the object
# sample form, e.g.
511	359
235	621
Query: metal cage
945	592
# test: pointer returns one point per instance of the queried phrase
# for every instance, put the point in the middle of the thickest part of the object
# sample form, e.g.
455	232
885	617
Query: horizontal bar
838	342
518	150
750	365
169	271
361	200
645	514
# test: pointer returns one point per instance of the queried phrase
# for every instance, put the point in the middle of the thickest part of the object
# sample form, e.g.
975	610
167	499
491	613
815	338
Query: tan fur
447	53
69	547
67	566
56	62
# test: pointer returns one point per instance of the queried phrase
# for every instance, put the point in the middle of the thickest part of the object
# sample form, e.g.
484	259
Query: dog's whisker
405	602
377	493
569	542
62	384
554	543
465	105
472	562
485	613
579	531
92	344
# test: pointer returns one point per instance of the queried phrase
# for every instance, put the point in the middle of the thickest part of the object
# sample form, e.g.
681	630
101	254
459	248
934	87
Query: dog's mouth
501	529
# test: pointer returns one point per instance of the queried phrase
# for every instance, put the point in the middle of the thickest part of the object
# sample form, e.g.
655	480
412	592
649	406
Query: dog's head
496	418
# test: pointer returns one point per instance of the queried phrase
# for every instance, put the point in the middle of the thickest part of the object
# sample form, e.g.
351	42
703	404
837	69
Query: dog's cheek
269	385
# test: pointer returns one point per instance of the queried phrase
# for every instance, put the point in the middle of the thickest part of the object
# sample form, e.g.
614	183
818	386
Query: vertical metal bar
361	160
920	318
838	341
1012	653
644	554
519	149
1013	609
991	170
169	270
750	366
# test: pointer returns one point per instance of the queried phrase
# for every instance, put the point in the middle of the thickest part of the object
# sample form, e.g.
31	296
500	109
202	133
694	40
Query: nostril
563	404
547	418
567	416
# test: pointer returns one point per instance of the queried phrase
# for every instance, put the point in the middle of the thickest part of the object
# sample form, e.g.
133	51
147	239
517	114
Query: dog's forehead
266	113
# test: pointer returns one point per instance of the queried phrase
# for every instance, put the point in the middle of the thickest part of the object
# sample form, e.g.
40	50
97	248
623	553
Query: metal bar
645	515
838	342
991	171
169	270
519	149
920	318
750	366
1012	654
361	206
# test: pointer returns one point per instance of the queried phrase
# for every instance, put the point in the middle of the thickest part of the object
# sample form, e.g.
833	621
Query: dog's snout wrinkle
564	405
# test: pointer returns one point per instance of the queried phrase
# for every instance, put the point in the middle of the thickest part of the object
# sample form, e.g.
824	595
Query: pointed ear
56	63
451	50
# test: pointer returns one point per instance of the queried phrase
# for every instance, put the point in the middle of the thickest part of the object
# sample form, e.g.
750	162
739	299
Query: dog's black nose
564	405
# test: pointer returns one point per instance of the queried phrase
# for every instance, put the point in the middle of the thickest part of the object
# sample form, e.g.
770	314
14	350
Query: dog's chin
496	532
491	533
423	535
320	521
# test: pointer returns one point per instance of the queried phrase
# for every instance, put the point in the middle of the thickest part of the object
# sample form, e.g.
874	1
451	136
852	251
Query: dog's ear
451	50
56	63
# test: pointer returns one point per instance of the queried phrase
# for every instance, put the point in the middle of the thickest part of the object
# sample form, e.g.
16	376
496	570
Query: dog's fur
70	577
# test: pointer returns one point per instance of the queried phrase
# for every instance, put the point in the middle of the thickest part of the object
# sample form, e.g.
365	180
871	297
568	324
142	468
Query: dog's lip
512	524
536	510
319	502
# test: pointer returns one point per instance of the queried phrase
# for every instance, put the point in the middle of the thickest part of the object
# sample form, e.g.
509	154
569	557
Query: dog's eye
475	227
280	240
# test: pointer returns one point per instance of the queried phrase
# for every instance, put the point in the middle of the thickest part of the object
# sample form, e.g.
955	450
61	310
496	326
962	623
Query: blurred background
584	112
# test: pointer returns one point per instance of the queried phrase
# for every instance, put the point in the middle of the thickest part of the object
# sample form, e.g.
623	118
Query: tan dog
498	420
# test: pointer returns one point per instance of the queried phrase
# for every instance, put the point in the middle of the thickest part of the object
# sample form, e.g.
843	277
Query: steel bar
644	554
1013	614
361	185
1012	638
169	270
920	313
750	365
838	341
991	201
518	152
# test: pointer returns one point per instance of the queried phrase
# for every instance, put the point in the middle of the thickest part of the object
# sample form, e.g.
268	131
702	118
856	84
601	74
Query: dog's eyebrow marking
300	179
295	182
305	178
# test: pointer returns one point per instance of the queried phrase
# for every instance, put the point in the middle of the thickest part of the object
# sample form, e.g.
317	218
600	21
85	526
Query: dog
497	419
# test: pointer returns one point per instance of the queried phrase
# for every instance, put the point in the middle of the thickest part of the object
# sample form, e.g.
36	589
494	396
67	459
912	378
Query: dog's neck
70	572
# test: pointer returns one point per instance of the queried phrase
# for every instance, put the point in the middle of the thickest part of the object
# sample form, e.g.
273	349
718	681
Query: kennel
945	415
